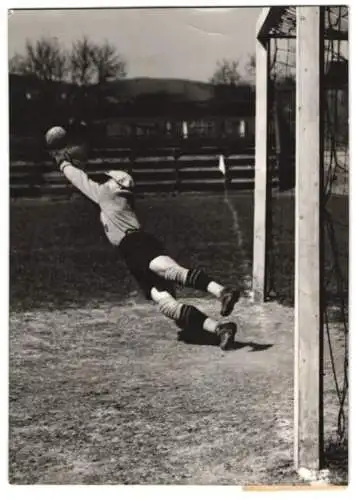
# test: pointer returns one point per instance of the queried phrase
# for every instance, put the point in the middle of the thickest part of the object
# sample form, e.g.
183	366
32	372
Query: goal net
275	276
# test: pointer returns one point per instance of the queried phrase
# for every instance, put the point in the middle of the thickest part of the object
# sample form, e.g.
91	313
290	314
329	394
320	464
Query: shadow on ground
336	460
206	339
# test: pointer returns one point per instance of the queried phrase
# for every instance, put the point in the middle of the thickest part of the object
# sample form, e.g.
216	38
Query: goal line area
302	141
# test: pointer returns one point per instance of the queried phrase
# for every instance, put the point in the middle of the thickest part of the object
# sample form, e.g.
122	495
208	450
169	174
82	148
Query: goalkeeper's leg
167	268
189	317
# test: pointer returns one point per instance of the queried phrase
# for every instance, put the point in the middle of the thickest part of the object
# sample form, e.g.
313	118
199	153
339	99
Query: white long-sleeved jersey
116	211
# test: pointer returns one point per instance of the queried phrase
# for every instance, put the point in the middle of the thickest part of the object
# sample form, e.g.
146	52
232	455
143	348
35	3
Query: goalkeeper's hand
75	155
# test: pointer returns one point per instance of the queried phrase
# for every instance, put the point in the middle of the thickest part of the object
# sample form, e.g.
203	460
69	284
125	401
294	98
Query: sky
161	43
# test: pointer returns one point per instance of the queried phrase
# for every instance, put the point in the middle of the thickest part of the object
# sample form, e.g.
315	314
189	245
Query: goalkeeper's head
122	180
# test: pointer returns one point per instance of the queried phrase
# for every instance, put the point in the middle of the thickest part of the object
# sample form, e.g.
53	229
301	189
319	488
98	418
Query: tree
81	61
251	66
91	62
108	64
226	73
17	64
60	66
44	59
86	63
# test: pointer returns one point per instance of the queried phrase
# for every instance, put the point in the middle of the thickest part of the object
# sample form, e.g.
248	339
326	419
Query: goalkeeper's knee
167	304
170	270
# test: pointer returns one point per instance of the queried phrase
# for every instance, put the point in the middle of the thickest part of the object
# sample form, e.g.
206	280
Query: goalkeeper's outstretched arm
81	181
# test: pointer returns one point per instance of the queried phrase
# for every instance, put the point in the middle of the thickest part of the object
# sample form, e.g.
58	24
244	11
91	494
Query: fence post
176	155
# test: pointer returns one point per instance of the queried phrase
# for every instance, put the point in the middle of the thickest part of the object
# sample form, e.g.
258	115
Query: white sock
215	289
210	325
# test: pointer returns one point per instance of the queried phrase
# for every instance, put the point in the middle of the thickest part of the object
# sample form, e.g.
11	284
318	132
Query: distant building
135	109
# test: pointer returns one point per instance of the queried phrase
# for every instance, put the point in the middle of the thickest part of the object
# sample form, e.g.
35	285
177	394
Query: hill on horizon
131	88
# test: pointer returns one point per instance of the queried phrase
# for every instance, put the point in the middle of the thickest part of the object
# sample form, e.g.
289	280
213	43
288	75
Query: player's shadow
204	338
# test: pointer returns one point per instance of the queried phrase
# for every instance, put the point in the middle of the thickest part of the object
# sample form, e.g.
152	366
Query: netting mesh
334	203
281	164
335	200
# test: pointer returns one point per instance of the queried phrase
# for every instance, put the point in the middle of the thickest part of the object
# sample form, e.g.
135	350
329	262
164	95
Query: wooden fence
162	171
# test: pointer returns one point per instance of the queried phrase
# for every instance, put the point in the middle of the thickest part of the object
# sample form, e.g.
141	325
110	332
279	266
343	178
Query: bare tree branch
81	61
251	66
61	66
43	58
108	63
226	73
86	63
17	64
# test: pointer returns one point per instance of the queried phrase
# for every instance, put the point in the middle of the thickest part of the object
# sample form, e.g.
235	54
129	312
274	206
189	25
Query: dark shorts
138	249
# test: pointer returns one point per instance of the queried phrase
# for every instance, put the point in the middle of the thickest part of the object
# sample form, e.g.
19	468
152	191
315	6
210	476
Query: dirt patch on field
110	396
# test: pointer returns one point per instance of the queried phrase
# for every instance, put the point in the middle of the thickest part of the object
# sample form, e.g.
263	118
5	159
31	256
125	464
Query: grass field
103	390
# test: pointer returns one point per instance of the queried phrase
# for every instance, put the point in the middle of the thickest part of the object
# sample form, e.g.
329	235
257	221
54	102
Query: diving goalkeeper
154	270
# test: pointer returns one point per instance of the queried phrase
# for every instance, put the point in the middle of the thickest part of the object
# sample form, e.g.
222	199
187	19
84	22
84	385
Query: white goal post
308	328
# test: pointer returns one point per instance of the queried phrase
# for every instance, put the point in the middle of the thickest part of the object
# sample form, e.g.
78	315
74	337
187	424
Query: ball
56	137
